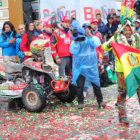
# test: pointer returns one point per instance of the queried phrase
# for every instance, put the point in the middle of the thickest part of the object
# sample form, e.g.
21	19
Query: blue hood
77	30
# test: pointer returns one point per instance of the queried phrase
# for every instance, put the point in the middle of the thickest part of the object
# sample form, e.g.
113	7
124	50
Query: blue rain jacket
85	60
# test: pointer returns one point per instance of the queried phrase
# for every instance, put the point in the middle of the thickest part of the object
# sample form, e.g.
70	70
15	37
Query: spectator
102	72
7	42
94	30
118	20
55	27
38	28
137	26
84	66
20	54
125	36
111	27
27	38
47	32
115	18
101	25
60	45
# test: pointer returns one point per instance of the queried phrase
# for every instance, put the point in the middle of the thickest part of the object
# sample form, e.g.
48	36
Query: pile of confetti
64	121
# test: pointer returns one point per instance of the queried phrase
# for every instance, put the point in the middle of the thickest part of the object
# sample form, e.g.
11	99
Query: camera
109	32
78	35
75	32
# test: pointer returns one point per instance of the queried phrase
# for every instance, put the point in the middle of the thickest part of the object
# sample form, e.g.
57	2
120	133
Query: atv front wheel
34	98
67	96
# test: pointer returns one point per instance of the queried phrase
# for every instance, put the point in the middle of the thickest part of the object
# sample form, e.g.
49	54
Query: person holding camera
84	65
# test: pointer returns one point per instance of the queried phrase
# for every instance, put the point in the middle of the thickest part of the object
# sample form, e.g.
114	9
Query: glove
109	44
28	54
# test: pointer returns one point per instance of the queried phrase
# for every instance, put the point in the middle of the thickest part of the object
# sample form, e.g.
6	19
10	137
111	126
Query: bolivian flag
130	61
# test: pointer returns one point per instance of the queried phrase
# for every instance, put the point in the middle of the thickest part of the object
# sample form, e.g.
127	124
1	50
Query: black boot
80	106
102	104
123	120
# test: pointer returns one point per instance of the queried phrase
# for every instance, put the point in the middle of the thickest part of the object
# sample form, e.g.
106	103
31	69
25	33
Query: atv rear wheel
68	95
34	98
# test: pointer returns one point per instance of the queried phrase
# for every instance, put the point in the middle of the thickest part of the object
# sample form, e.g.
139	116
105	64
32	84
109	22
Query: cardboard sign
3	4
4	14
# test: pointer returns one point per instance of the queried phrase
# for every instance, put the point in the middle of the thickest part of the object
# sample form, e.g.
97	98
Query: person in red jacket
103	73
60	45
27	38
47	33
94	31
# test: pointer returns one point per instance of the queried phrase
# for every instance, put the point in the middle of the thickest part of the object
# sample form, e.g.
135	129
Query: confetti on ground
64	121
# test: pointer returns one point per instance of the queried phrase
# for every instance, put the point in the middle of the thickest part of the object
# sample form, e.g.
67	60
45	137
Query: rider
60	44
47	32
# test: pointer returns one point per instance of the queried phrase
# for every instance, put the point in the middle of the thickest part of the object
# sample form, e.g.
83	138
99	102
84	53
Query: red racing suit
99	49
60	43
47	38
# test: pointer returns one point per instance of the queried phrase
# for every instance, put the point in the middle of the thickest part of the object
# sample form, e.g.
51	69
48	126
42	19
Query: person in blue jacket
20	54
84	65
101	25
7	42
110	29
38	28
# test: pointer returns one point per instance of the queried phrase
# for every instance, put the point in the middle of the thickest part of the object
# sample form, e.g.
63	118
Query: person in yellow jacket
124	35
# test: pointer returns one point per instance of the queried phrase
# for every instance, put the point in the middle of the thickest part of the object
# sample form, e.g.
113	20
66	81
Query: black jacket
110	30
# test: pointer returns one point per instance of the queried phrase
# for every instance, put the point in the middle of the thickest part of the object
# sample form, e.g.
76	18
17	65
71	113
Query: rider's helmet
37	45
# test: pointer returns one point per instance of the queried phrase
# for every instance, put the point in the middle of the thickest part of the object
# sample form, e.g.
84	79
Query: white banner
83	10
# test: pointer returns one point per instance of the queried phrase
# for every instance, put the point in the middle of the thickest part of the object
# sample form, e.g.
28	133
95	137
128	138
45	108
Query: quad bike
41	83
33	82
11	82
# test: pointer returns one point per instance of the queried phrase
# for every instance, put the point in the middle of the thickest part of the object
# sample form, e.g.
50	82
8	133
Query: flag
130	62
